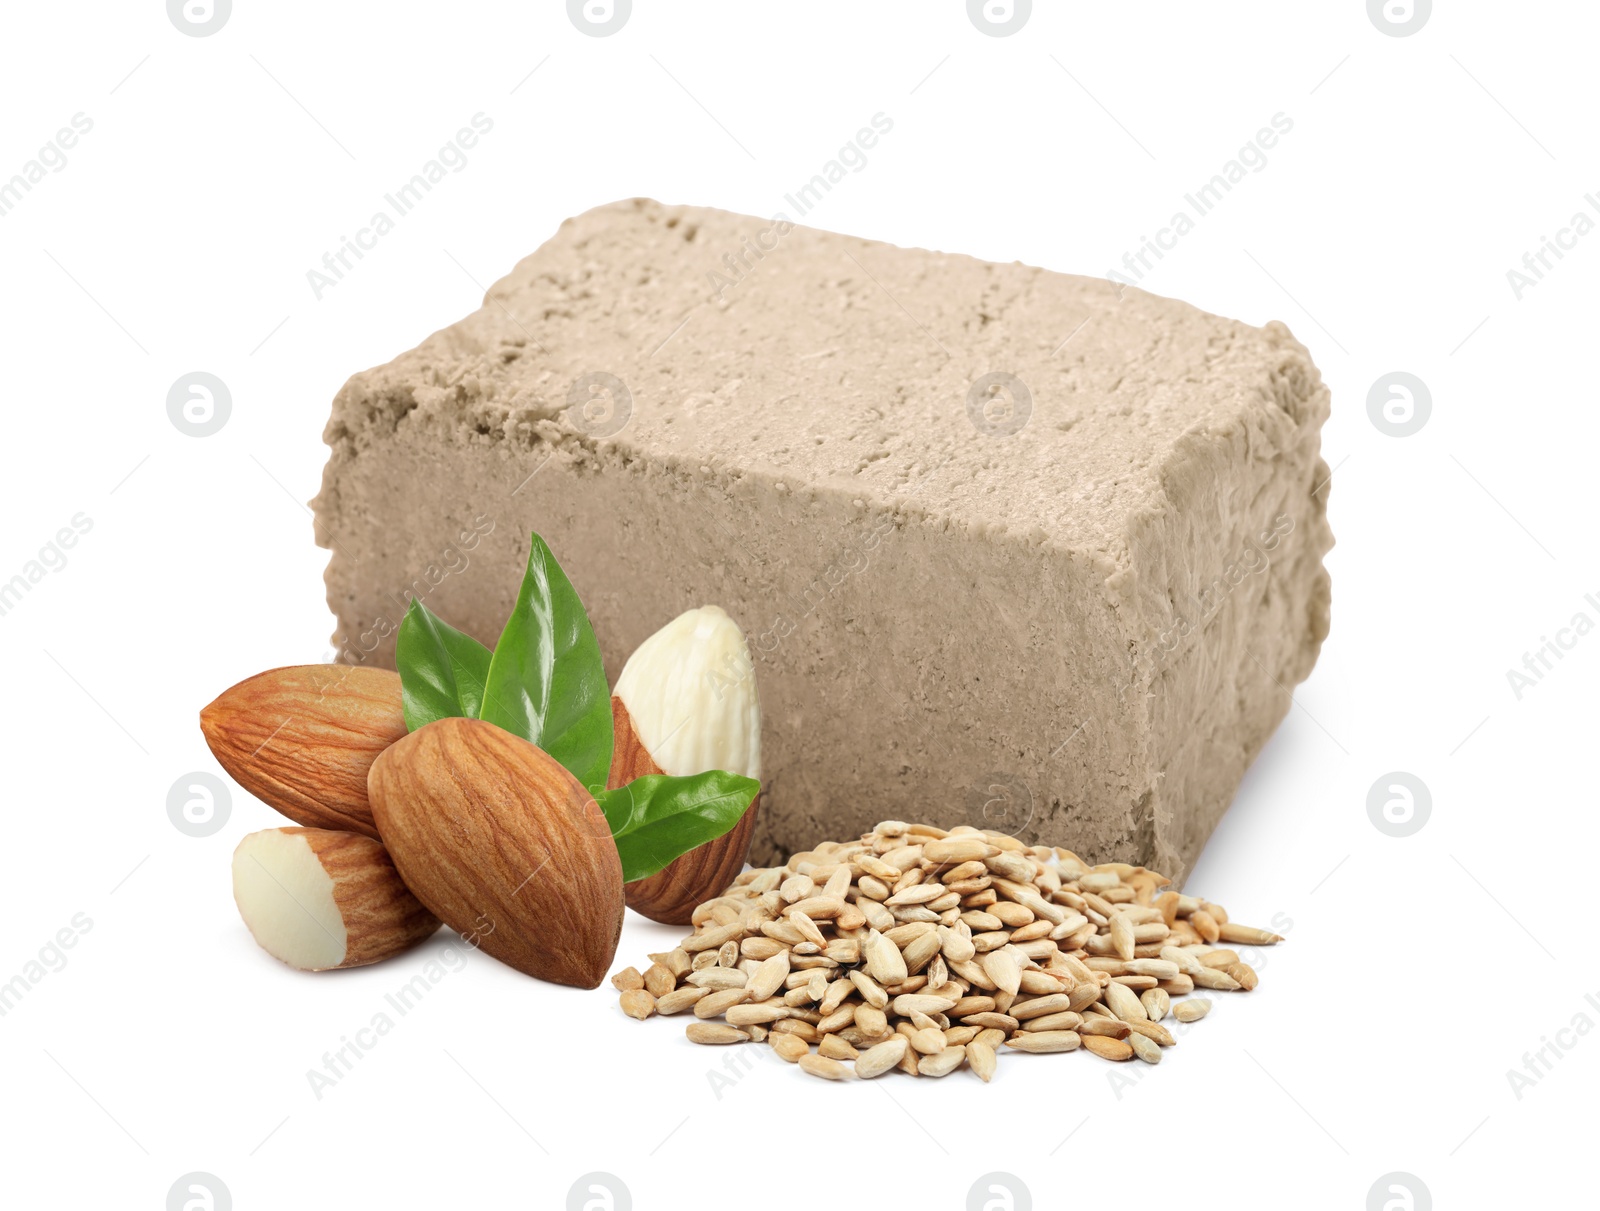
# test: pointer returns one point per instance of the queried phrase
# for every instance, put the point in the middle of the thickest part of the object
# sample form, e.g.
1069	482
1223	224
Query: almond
686	703
318	899
504	845
301	739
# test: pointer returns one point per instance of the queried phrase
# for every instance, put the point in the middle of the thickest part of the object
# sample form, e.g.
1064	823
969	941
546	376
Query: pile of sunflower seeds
928	950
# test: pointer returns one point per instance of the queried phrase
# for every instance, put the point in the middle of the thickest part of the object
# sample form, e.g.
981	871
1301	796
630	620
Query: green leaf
442	670
656	818
546	683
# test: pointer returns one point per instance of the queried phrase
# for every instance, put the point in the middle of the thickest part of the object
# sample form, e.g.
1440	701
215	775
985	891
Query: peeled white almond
690	691
686	703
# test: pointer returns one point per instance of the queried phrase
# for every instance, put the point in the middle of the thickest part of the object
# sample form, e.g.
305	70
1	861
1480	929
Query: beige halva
1014	549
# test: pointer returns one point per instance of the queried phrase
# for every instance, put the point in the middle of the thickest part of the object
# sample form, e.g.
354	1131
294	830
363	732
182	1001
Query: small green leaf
442	670
656	818
546	683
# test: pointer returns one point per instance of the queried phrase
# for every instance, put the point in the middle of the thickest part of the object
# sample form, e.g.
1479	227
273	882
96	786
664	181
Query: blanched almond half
318	899
690	692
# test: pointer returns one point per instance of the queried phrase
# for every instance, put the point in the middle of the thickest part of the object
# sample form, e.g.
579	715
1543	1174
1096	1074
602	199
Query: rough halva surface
1013	548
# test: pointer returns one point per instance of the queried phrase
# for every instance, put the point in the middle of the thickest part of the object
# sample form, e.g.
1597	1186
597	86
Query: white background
220	169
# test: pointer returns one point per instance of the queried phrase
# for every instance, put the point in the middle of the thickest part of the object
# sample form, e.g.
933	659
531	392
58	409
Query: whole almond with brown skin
301	739
672	893
504	846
